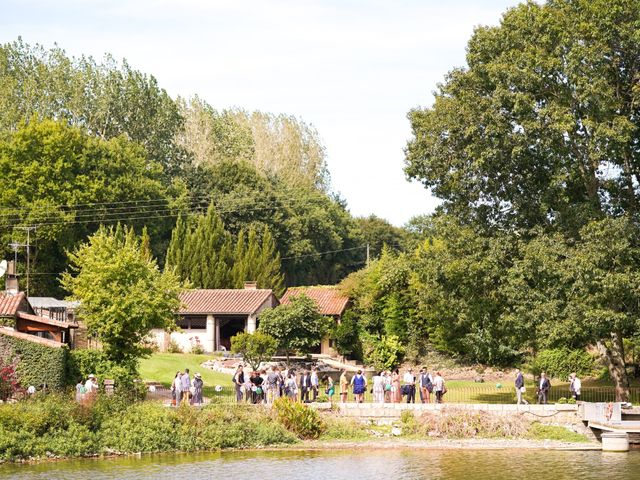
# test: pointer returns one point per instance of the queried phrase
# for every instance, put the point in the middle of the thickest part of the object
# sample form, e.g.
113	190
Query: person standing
378	388
272	385
176	389
291	387
80	391
575	386
410	386
238	382
197	390
305	386
543	389
329	390
314	383
426	386
344	386
359	383
387	386
520	388
439	387
396	392
186	386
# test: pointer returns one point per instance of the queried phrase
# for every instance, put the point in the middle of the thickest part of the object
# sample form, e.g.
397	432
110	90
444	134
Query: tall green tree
123	294
297	327
66	183
541	127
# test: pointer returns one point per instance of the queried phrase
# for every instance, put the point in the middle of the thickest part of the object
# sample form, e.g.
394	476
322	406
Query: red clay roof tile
329	299
224	301
9	304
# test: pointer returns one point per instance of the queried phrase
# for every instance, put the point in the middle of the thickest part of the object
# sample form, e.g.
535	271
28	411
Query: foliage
122	293
297	326
342	428
8	380
276	145
174	347
83	363
255	348
56	425
561	362
379	233
383	353
458	423
50	169
36	364
203	254
346	336
298	418
539	431
523	136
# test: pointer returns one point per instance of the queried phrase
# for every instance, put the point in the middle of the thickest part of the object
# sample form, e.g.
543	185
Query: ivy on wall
37	364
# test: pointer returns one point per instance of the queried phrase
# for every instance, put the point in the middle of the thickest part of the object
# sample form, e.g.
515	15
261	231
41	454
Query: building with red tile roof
208	318
331	302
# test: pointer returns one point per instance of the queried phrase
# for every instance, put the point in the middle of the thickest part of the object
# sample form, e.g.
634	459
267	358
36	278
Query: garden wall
38	360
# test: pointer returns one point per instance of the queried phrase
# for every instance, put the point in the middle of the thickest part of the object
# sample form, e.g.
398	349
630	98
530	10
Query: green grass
538	431
162	368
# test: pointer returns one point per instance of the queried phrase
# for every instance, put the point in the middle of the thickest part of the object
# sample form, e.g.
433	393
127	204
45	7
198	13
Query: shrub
173	347
296	417
8	380
562	400
382	353
454	423
344	429
561	362
539	431
85	362
36	364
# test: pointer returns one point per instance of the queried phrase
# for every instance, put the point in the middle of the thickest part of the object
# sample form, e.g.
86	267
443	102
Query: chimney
250	285
11	285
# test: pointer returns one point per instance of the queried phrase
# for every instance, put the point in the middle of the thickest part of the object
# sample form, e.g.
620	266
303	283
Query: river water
345	464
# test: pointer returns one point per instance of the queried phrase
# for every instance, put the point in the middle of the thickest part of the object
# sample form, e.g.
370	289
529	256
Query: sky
353	69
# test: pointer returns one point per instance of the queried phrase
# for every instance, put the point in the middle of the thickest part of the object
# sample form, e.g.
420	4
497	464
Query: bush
56	425
85	362
173	347
382	353
539	431
296	417
562	400
36	364
454	423
561	362
344	429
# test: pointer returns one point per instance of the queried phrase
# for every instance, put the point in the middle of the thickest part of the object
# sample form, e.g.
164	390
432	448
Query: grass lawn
162	367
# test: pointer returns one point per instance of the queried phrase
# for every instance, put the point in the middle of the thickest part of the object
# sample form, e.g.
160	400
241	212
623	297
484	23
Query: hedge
37	364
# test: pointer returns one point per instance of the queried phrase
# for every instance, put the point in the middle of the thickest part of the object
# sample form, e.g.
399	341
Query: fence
479	394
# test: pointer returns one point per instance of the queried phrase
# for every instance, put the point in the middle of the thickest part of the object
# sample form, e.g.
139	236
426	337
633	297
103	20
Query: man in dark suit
305	386
519	384
543	388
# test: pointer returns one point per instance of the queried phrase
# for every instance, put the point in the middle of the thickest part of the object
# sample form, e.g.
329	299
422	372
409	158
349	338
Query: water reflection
346	464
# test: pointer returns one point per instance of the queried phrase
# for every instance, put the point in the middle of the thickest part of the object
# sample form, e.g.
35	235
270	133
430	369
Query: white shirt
90	386
577	385
542	383
438	383
408	378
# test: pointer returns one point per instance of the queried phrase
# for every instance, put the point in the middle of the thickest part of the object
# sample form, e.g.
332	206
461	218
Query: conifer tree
177	245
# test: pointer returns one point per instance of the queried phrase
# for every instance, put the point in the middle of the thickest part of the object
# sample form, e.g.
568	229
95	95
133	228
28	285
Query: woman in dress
378	388
396	392
197	390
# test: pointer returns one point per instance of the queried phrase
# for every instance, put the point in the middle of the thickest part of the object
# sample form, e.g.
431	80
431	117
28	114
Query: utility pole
27	246
367	254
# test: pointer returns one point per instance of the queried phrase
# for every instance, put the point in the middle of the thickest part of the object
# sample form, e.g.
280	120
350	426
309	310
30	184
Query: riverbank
54	427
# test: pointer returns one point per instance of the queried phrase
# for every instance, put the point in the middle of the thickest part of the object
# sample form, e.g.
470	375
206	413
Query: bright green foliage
83	363
256	259
48	167
298	418
56	425
36	364
297	326
562	362
383	353
122	293
255	348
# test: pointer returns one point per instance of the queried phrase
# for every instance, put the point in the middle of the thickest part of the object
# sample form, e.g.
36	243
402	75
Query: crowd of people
186	392
265	385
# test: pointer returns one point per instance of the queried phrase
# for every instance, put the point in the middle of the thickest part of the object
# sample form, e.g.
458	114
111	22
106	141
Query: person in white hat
197	390
91	385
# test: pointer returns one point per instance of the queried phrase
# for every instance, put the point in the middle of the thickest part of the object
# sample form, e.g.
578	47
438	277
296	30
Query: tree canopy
123	294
